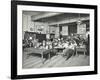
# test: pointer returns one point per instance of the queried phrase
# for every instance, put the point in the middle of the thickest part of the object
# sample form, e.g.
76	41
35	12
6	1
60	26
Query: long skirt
68	53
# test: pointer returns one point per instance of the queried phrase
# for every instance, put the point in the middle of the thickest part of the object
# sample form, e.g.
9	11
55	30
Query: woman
70	50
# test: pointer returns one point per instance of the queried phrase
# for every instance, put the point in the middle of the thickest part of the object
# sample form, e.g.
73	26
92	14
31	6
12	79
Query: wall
57	32
54	30
64	30
30	26
81	29
26	24
72	28
42	25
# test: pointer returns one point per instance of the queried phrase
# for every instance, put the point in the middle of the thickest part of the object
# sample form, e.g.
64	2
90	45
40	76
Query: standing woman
88	43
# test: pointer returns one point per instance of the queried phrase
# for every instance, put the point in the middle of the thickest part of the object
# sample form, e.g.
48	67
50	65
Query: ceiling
33	13
61	16
52	17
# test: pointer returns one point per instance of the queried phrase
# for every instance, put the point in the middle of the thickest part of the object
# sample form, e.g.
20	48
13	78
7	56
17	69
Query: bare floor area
34	61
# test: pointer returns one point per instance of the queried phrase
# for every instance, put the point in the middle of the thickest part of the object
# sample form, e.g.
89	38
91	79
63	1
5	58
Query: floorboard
34	61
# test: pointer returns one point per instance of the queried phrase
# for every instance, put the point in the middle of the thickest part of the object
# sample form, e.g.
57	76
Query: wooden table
59	48
81	49
39	51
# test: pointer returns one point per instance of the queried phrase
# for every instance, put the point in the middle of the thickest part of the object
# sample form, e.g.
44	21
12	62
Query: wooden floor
34	61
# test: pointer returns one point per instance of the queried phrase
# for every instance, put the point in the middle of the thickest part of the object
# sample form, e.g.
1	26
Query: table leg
42	58
84	53
49	55
76	52
28	55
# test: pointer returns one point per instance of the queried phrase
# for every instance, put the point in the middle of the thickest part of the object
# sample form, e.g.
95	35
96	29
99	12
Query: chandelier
79	20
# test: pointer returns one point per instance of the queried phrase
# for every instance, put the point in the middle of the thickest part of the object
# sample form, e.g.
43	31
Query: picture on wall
53	39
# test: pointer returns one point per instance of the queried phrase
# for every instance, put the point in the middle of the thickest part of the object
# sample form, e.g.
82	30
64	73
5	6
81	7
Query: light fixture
31	29
79	20
30	38
42	27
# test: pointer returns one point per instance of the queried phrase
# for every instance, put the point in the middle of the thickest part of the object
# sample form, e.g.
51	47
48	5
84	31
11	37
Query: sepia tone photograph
55	39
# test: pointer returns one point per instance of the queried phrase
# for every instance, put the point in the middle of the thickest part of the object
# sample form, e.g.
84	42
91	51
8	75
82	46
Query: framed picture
71	51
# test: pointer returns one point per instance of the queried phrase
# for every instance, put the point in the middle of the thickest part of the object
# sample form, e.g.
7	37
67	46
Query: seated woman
59	44
73	45
43	45
69	50
65	45
55	43
35	43
48	44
